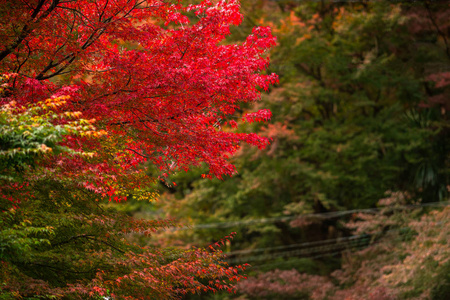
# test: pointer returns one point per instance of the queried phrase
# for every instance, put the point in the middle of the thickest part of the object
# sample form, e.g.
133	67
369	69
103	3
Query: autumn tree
93	92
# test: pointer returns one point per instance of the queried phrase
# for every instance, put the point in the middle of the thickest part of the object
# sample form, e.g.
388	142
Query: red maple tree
157	78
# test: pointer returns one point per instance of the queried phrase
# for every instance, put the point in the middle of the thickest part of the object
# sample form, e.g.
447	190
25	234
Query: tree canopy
94	92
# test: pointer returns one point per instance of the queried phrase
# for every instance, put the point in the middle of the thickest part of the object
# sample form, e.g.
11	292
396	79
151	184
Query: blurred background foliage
361	113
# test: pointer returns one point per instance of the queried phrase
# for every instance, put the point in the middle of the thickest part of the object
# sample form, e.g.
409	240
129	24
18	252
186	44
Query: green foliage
441	289
348	96
28	134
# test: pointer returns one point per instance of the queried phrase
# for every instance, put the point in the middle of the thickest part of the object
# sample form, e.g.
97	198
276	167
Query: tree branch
26	30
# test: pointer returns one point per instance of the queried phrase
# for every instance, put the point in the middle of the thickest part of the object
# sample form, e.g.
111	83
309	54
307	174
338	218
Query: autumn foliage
92	92
169	83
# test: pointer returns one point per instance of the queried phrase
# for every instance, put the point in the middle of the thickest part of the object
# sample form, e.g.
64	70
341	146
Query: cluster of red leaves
195	272
163	87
